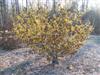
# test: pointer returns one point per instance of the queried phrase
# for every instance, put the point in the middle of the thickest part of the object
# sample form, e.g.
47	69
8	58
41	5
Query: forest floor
24	62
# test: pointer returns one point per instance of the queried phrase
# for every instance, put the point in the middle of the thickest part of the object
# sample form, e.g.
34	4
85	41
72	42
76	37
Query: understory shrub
8	40
54	36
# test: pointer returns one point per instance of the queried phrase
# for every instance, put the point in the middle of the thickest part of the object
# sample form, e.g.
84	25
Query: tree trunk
26	5
54	6
38	4
17	6
83	5
87	5
54	59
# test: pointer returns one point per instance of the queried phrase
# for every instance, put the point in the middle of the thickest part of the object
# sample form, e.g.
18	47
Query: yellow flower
66	20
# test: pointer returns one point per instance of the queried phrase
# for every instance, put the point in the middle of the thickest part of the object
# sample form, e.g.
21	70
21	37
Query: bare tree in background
17	6
3	12
84	5
1	20
87	2
54	5
26	5
47	3
13	11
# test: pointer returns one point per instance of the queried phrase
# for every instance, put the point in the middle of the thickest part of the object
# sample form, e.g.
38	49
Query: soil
24	61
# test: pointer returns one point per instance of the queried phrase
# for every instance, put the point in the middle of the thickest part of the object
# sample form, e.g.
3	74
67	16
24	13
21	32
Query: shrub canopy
60	33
